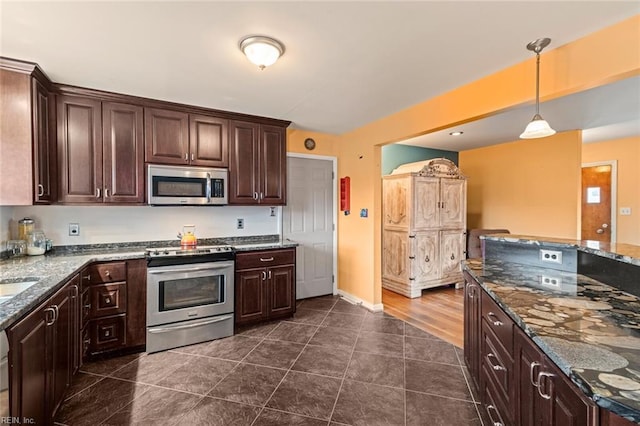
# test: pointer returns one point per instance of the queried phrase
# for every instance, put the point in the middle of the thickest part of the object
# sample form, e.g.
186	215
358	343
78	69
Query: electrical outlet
74	229
240	224
625	211
551	256
272	213
550	281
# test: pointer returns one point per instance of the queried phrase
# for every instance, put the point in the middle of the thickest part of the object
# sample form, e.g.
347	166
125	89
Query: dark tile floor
332	364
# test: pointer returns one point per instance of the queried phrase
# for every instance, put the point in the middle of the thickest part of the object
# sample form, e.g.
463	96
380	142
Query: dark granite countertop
589	329
53	269
627	253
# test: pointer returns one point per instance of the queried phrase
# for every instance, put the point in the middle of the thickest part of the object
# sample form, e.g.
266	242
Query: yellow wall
529	187
325	143
599	58
627	154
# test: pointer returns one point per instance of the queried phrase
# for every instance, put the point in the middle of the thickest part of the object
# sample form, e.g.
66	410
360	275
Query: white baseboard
357	301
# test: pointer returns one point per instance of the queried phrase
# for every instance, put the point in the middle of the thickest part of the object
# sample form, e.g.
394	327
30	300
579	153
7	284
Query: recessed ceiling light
455	133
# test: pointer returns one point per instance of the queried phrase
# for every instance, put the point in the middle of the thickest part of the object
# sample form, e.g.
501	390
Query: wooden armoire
423	226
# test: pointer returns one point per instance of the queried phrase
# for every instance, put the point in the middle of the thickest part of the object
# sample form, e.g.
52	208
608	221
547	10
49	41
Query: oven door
186	292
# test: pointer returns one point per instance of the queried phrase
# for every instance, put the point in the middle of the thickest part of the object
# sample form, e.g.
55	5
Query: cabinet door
569	407
451	252
62	348
395	202
251	287
123	153
395	256
79	149
30	366
426	211
273	165
209	141
244	167
282	294
472	315
166	136
425	256
76	323
44	152
529	362
453	196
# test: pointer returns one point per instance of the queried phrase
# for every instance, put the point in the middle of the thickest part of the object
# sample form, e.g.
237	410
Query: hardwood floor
438	311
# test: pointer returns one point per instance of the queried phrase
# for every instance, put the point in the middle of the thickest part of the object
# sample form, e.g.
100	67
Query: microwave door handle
208	188
170	271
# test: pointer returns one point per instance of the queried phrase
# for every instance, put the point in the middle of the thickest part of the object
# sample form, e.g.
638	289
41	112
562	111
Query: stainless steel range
189	295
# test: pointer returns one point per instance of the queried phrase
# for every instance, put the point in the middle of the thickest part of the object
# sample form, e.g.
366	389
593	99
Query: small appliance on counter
188	237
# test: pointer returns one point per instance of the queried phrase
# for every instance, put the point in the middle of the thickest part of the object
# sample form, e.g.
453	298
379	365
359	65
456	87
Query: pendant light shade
537	127
262	51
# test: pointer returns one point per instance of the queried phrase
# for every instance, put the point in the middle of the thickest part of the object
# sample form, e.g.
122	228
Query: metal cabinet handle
107	273
497	366
107	333
453	257
87	306
193	157
48	321
471	291
264	275
98	192
261	196
74	291
491	408
57	312
106	192
269	272
186	156
266	259
542	375
255	195
86	277
495	322
426	258
532	368
107	300
40	190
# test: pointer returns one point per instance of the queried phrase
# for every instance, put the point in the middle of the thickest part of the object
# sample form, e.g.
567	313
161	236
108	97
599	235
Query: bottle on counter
25	226
36	243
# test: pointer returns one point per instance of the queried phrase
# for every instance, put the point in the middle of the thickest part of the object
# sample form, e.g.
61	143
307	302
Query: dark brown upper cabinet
100	151
175	137
27	102
258	164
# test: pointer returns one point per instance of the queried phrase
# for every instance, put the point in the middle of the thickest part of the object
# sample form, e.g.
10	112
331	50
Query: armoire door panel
396	200
426	204
426	258
395	255
451	252
453	195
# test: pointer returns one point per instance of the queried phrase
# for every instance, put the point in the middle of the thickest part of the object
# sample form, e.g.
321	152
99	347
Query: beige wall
627	154
530	187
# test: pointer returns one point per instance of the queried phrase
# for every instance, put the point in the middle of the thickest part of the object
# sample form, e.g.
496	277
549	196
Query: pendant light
261	50
537	127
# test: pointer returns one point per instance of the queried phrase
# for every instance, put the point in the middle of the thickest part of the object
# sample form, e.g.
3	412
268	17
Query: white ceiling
346	63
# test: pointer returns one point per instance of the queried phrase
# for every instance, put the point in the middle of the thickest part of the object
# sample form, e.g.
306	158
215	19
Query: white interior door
308	220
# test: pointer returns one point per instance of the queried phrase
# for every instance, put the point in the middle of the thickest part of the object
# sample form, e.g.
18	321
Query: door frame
614	196
334	170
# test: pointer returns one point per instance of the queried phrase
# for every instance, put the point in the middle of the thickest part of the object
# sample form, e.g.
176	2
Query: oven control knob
217	248
155	252
166	252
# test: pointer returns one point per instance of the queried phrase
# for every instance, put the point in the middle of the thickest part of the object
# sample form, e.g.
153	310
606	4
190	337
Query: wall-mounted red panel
345	193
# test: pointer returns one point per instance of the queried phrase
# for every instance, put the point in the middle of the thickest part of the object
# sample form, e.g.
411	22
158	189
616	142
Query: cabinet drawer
493	405
108	333
85	310
104	273
86	342
497	363
264	259
108	299
498	321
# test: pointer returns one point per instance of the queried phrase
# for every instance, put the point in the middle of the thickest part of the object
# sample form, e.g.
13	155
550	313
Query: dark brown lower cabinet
42	356
264	285
518	384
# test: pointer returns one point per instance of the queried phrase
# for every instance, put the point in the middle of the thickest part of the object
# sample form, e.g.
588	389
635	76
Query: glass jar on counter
36	243
25	226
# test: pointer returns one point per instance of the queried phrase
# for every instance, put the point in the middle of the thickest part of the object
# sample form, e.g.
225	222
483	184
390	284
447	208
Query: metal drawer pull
46	316
107	273
495	322
107	300
107	333
266	259
497	366
88	306
181	327
532	368
491	408
541	375
86	277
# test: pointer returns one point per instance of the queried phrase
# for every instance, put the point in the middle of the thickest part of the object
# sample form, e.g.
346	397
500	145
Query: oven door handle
191	325
170	271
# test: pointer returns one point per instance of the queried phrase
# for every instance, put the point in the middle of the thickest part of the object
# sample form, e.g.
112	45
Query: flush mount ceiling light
456	133
262	51
537	127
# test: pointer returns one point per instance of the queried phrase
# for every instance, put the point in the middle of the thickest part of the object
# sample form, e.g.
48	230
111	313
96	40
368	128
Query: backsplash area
110	224
6	214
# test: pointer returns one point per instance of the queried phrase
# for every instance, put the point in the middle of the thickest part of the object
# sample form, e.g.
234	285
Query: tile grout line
404	372
469	384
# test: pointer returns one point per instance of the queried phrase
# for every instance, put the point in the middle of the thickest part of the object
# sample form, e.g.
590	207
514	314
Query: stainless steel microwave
182	185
